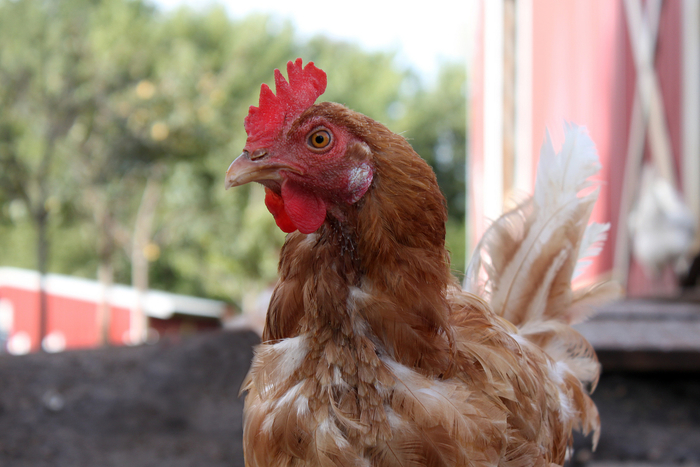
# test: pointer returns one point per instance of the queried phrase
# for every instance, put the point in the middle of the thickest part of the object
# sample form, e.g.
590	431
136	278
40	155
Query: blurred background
118	119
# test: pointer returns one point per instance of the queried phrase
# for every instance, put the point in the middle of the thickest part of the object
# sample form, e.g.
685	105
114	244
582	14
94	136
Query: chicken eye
320	139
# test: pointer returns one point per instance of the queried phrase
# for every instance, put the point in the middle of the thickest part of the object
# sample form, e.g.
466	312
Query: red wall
76	319
583	72
576	56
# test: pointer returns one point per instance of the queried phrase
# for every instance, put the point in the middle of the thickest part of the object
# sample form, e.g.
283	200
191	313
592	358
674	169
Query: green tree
38	106
117	123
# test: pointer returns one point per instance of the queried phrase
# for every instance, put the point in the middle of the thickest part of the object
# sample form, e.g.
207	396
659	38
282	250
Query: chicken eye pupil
319	139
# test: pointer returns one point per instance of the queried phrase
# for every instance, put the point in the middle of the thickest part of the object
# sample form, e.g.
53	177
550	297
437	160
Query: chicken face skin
316	166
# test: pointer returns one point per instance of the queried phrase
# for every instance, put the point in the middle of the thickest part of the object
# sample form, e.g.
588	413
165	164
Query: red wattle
306	210
275	204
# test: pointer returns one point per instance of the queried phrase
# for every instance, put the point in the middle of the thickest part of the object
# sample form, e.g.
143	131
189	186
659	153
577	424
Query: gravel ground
176	404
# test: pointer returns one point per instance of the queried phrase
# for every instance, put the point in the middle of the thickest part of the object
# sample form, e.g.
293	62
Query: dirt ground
173	404
647	418
176	404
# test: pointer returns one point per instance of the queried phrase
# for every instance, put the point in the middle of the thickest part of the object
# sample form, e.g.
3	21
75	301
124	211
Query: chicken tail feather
525	262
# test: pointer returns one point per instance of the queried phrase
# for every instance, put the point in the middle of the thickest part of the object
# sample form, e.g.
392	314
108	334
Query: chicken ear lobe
305	210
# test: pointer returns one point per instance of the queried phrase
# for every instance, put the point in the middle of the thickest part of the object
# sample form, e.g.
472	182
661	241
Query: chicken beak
245	170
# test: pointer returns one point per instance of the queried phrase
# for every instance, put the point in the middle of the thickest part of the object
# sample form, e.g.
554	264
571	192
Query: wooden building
628	70
72	312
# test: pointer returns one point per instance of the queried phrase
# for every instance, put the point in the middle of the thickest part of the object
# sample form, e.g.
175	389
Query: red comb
264	122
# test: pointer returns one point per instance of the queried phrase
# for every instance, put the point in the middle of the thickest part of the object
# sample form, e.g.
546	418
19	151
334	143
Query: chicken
372	354
662	226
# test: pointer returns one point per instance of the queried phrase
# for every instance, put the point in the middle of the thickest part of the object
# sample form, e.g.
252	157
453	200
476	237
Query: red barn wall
76	319
583	72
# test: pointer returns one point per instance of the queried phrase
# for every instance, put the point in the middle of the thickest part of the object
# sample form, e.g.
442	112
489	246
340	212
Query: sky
421	36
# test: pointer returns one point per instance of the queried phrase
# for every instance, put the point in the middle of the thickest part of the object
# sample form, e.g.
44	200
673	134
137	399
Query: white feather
591	245
560	199
562	176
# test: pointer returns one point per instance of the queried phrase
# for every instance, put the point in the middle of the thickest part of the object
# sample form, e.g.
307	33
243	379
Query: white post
523	106
493	109
691	109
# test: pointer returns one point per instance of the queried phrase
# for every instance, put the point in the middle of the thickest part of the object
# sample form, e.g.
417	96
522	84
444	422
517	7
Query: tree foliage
98	98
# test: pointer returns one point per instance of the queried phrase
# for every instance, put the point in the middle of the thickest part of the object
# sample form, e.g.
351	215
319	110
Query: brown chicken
372	354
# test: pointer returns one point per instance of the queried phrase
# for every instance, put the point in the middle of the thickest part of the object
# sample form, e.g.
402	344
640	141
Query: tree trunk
105	276
42	248
105	270
139	259
41	218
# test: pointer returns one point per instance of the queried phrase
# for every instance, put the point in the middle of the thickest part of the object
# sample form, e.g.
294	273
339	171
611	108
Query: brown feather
372	354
